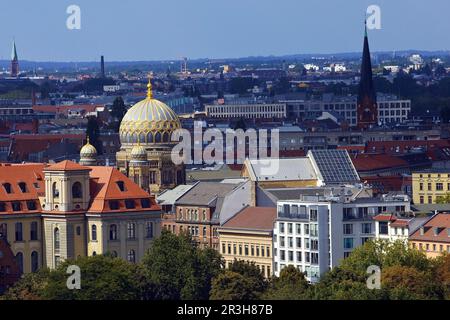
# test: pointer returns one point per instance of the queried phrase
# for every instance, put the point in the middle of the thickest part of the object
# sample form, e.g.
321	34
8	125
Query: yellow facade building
428	186
248	236
433	237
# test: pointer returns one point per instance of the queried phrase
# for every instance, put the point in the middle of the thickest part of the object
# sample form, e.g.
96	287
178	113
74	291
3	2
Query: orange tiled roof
103	188
440	221
367	162
66	165
253	218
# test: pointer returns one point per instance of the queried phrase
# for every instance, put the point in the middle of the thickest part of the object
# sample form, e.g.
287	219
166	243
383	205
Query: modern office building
247	111
314	233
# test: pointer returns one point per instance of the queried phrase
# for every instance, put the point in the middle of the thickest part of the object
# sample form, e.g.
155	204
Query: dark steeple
14	61
367	99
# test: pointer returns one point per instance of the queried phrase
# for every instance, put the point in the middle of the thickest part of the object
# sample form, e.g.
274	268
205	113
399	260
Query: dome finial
87	140
149	86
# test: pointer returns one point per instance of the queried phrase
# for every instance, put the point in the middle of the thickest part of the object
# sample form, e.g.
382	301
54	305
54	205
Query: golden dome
148	121
138	153
88	150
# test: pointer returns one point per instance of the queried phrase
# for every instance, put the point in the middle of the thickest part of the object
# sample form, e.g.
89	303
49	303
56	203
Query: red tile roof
369	162
404	146
66	165
253	218
384	217
64	109
440	221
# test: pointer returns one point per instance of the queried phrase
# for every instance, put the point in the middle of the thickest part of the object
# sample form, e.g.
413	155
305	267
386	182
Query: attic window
2	207
129	204
7	187
36	185
145	203
31	205
114	205
23	187
121	185
16	206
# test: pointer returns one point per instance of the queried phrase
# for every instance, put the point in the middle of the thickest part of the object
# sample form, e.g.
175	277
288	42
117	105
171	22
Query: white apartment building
314	233
247	111
393	227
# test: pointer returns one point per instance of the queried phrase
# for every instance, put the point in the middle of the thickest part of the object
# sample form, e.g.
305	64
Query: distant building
433	237
247	236
393	227
247	111
430	185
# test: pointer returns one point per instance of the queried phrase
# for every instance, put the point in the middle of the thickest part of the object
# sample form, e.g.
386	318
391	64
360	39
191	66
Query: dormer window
114	204
145	203
129	204
16	206
121	185
31	205
7	187
23	187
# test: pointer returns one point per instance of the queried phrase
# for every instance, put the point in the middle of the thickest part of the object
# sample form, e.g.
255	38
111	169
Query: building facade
248	236
247	111
49	213
433	237
316	232
430	185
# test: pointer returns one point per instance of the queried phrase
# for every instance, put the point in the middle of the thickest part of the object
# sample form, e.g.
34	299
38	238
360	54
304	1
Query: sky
137	30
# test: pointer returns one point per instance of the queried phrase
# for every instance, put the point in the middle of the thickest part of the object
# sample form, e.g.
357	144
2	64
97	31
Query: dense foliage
175	268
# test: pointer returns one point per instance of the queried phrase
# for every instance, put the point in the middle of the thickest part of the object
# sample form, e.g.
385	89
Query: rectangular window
299	256
439	186
383	225
366	228
348	228
348	243
298	242
290	228
290	256
19	235
34	231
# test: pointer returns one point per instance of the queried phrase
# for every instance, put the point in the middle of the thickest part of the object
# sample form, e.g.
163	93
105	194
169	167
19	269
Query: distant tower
14	61
184	66
102	67
367	110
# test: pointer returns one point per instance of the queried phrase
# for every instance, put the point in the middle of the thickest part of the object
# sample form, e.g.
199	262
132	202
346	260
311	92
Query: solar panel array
335	166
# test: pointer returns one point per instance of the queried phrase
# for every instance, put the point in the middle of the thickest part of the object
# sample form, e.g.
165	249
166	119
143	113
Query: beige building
433	237
49	213
428	186
248	236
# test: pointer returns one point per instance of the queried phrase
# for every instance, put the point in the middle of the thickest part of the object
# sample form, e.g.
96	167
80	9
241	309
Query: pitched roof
440	223
206	194
369	162
283	169
252	218
104	186
66	165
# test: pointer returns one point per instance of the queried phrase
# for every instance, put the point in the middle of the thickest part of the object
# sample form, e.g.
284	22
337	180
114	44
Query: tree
118	109
384	254
291	285
251	272
231	285
93	132
443	274
444	199
177	269
409	283
102	278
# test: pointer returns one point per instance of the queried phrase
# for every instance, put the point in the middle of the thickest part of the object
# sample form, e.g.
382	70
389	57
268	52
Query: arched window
34	261
158	137
131	230
165	137
19	259
142	137
149	230
94	233
94	253
77	191
131	257
34	230
55	190
3	230
150	137
8	188
19	230
56	239
113	232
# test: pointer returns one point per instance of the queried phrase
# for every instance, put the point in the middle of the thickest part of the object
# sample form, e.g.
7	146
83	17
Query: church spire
367	100
14	61
14	52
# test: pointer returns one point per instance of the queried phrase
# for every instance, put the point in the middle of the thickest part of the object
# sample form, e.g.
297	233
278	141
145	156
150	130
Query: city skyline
204	30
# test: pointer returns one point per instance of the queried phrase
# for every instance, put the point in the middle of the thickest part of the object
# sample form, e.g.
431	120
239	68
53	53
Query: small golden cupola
148	122
88	154
138	153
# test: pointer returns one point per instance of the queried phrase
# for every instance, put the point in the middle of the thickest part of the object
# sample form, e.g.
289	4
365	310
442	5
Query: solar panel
335	166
